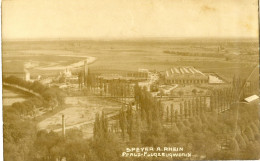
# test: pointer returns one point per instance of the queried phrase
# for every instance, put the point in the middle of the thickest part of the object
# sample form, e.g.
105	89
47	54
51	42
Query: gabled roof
181	71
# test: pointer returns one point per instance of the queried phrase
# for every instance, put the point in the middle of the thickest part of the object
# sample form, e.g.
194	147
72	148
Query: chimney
85	71
63	126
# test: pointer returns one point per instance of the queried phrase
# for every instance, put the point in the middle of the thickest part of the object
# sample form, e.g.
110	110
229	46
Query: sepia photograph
139	80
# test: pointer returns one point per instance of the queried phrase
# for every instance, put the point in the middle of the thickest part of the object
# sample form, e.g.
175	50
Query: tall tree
167	114
181	110
172	114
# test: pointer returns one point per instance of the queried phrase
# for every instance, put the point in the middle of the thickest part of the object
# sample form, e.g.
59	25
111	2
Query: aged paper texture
139	80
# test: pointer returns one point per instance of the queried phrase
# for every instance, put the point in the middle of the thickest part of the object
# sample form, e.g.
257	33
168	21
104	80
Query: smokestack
27	75
85	72
63	126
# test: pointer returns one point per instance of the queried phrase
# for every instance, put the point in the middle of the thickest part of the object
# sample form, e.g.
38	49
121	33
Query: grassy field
15	62
123	56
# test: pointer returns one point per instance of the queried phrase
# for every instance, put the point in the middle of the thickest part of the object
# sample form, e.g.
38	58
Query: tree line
203	134
208	133
52	97
182	53
96	84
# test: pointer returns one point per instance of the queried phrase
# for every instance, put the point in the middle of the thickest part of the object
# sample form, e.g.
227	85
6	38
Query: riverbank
89	59
11	96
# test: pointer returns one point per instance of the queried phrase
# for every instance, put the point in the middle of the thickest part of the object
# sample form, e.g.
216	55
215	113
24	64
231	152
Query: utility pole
63	126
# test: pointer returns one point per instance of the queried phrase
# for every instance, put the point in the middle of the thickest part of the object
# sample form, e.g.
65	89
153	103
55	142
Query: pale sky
90	19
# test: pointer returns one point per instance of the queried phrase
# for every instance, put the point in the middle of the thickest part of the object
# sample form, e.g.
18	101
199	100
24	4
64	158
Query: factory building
138	74
185	75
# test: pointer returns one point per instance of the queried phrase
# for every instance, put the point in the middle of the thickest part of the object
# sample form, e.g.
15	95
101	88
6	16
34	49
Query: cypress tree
123	122
172	114
190	109
104	124
176	115
97	126
193	107
197	105
167	114
185	109
137	129
181	110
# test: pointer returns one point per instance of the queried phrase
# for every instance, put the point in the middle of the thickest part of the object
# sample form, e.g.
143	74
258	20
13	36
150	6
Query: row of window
181	81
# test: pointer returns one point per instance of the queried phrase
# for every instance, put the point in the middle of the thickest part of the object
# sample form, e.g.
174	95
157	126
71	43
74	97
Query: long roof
183	71
251	98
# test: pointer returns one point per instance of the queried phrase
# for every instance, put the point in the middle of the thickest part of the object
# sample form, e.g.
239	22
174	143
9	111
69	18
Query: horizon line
125	38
